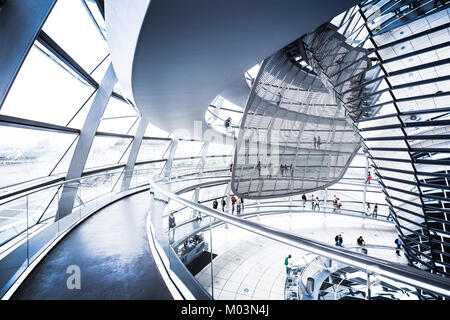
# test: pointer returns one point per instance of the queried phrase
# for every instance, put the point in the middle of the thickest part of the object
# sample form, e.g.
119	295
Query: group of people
315	202
339	240
361	242
337	204
317	142
235	203
374	212
285	169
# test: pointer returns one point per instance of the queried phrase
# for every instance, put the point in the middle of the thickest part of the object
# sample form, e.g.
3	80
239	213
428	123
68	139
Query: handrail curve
405	274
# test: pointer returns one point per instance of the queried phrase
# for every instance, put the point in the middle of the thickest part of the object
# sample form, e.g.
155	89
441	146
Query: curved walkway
111	248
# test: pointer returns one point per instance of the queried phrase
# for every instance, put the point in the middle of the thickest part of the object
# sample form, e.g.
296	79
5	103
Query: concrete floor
112	251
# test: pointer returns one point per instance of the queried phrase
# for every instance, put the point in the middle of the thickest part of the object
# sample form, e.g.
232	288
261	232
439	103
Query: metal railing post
169	161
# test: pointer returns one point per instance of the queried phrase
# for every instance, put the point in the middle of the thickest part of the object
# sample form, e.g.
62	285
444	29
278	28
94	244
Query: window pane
70	25
152	150
43	91
118	117
106	151
29	154
215	149
186	163
188	149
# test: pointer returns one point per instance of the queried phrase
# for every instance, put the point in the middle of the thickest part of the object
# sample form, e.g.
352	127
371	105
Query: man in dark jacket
338	239
224	203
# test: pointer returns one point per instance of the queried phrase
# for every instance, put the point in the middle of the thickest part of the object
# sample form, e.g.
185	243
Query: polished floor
112	251
252	267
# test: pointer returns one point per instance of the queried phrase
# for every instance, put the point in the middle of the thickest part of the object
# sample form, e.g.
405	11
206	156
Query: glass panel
218	162
13	221
43	91
118	117
219	149
188	149
100	70
118	125
186	163
106	151
70	25
63	165
152	150
28	154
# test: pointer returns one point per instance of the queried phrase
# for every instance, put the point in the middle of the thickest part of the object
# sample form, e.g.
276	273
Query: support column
228	205
169	162
84	142
258	204
290	206
137	141
365	185
195	213
204	154
20	23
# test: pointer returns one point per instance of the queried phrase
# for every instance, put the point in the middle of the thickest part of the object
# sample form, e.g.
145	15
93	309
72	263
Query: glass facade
402	111
46	109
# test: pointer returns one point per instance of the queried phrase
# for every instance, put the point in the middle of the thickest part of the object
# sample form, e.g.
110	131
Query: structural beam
84	142
204	154
137	141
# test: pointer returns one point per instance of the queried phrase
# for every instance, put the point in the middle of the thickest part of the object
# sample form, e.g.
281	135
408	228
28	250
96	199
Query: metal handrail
373	246
405	274
75	180
303	281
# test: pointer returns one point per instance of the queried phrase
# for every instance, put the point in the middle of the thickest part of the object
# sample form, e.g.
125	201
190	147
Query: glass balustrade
204	238
29	223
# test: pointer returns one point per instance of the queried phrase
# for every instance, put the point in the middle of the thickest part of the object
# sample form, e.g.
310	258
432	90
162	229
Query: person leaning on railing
360	241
